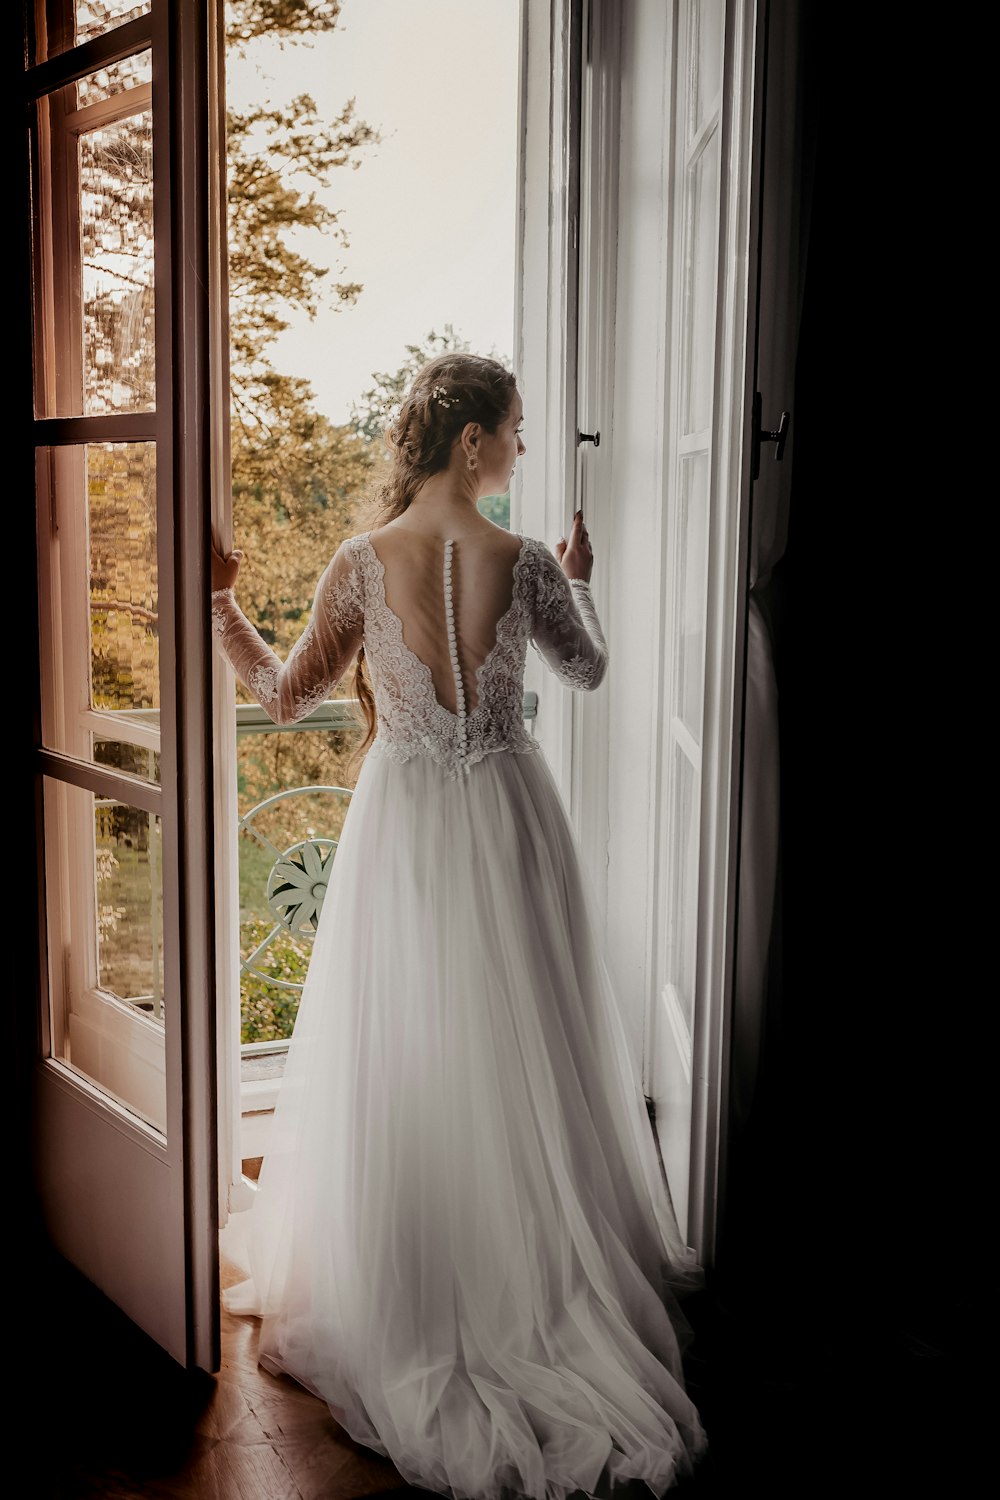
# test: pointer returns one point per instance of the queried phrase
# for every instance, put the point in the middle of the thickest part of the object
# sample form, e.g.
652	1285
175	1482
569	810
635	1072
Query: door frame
726	640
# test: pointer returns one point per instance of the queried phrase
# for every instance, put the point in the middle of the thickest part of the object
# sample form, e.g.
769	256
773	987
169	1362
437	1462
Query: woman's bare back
481	571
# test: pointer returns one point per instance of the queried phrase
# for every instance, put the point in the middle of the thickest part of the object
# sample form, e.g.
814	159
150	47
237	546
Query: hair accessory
387	409
440	395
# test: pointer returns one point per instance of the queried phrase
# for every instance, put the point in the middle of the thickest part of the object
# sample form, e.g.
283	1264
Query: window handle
589	437
778	438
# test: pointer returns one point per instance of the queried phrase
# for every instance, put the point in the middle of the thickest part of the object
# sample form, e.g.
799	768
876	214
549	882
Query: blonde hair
449	391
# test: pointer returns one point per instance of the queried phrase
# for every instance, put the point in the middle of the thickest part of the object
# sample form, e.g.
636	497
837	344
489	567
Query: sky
430	211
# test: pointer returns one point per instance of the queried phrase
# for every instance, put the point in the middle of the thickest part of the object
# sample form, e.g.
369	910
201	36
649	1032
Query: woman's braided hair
445	394
449	391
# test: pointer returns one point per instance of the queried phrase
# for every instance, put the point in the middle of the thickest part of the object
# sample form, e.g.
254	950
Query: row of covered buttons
449	609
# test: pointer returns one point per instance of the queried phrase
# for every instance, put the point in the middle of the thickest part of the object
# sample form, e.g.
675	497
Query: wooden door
126	226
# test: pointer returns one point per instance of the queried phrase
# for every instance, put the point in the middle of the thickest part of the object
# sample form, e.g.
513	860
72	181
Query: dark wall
854	1232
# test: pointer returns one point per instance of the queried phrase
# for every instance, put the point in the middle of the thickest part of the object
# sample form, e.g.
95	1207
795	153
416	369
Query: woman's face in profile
500	450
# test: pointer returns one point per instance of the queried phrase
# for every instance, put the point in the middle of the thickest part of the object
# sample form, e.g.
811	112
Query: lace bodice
555	614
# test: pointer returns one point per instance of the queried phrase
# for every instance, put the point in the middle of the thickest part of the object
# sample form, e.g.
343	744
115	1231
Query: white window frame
566	359
543	496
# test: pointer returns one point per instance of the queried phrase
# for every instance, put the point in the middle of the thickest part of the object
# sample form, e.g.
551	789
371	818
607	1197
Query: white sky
430	211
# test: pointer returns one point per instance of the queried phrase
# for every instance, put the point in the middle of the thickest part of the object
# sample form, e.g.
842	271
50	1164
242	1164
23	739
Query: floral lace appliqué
578	672
411	720
219	612
345	604
556	615
263	683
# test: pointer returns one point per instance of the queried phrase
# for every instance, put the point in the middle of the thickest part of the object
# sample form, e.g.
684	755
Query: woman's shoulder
538	553
351	550
544	585
505	547
501	544
348	570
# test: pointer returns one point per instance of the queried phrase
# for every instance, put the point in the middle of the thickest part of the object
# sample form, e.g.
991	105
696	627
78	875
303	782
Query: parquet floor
128	1422
131	1423
102	1414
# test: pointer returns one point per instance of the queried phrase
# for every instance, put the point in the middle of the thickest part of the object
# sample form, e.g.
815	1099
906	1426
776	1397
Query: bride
462	1240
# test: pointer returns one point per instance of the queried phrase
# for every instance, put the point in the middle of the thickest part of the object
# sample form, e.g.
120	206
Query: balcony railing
295	887
335	713
297	878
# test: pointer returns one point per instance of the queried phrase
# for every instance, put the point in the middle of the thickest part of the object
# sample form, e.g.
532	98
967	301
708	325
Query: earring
472	462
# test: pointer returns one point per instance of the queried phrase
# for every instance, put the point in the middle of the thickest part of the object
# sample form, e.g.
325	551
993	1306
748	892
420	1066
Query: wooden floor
116	1418
105	1415
132	1423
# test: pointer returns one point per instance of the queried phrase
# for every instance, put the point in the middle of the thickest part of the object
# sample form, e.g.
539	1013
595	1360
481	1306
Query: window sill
262	1065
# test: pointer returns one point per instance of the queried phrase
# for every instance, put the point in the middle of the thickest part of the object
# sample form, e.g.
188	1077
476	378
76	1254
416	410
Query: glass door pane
104	901
93	260
62	24
100	605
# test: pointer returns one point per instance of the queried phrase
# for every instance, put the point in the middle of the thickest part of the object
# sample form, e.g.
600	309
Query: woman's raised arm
566	631
289	690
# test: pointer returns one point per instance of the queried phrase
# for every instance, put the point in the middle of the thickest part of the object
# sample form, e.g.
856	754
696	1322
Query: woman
461	1239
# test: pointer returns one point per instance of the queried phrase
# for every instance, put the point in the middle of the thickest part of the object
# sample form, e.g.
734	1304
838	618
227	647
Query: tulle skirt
461	1238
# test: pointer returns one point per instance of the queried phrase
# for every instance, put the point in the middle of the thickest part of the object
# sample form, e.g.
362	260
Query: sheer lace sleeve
290	690
565	629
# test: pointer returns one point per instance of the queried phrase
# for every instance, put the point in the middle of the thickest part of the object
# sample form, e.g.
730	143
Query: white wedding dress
461	1238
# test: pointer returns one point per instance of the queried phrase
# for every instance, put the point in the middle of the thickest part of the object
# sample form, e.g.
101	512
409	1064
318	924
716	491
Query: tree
296	475
374	407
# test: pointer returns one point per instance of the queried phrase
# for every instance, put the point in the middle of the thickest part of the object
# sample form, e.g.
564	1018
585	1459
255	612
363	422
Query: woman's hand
575	555
225	566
